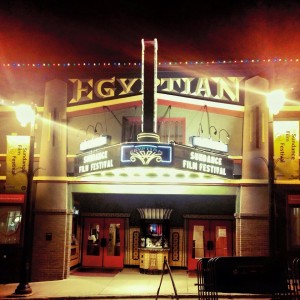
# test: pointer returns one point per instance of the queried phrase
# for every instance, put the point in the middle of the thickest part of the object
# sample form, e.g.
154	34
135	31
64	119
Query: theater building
138	162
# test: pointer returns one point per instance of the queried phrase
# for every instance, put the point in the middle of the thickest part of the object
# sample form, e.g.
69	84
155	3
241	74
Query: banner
17	163
286	149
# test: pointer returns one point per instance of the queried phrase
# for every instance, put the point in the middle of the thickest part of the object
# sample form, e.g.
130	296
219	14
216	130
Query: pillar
52	217
252	217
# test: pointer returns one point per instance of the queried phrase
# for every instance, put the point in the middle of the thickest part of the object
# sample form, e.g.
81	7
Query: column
53	219
252	226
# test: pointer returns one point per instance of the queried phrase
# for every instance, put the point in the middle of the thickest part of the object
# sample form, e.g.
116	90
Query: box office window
10	224
169	129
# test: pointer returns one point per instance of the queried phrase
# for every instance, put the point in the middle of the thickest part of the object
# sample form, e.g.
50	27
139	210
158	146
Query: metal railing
259	277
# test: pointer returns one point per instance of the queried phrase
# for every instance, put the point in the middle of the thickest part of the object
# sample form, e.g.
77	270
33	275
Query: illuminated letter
170	84
187	85
127	87
230	86
105	92
203	88
78	90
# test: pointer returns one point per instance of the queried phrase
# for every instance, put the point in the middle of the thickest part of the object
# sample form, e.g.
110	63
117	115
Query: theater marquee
98	160
153	155
198	160
146	154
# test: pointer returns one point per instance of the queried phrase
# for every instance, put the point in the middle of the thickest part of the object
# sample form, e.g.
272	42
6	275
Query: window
10	224
169	129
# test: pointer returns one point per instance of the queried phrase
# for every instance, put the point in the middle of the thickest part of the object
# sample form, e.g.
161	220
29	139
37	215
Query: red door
103	243
208	238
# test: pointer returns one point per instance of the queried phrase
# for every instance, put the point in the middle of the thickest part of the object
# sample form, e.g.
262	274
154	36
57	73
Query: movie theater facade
130	170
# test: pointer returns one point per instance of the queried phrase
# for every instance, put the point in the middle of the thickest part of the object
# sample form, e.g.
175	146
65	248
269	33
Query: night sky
99	31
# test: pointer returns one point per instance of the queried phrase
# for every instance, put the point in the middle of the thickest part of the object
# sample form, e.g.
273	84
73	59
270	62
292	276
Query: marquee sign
146	154
208	143
154	155
198	160
223	89
95	143
98	160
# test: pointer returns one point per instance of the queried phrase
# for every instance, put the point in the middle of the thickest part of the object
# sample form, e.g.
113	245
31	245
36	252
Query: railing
259	277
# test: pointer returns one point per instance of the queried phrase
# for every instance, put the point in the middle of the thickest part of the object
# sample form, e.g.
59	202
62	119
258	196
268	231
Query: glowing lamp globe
275	101
25	114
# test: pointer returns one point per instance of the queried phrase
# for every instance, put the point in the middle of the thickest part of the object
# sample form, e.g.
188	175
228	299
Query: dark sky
101	31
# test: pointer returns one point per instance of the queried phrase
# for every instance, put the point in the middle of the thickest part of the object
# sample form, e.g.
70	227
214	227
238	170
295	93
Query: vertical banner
286	149
17	163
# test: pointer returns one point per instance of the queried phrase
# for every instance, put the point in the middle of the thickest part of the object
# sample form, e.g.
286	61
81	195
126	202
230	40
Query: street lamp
26	115
275	101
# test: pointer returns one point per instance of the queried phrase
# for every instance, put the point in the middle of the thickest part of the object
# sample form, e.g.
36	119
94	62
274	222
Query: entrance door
208	238
103	243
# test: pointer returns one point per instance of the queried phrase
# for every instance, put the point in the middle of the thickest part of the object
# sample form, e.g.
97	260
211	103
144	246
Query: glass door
103	243
208	238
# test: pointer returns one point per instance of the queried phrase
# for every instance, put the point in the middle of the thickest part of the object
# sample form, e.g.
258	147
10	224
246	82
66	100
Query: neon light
146	153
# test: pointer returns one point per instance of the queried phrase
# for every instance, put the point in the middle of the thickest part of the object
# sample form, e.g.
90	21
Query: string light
138	64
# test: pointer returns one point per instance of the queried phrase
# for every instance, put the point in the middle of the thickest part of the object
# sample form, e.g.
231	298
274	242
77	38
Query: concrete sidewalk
126	284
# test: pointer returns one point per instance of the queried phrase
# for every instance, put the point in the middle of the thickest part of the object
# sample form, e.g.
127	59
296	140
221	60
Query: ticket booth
154	239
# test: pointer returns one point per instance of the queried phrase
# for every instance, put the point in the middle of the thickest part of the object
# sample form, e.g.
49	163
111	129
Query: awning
155	213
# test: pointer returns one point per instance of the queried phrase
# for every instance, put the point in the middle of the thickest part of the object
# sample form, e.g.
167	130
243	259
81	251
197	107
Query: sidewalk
127	284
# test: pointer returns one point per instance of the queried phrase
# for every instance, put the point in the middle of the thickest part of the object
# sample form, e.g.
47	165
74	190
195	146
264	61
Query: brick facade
252	235
51	250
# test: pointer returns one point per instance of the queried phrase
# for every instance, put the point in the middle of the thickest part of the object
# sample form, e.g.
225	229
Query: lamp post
26	115
275	101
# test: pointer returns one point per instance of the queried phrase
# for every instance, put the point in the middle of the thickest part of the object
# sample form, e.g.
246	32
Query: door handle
210	245
103	242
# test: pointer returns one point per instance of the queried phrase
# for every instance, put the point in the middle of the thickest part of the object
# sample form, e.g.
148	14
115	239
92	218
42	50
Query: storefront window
10	224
